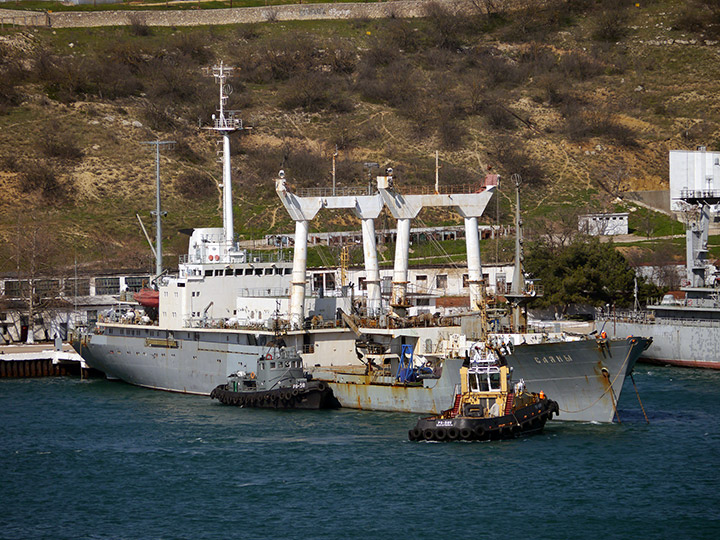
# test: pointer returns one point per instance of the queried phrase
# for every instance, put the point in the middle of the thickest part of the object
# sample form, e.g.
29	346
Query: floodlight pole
158	212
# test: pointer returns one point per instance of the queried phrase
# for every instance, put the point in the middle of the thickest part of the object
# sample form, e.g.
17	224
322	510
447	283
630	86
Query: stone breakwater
297	12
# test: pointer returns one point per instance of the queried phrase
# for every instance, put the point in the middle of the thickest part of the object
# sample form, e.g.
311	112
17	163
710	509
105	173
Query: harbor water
100	460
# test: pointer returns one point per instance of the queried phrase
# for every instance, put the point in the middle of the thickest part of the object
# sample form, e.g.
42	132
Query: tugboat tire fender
295	391
429	434
479	432
440	434
321	386
411	435
466	433
453	433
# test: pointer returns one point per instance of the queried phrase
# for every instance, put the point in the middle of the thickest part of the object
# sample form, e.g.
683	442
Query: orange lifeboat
147	297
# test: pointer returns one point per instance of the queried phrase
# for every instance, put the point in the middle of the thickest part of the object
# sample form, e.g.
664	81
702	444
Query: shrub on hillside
158	118
278	59
184	151
247	32
611	25
582	124
194	45
445	28
195	185
128	52
138	25
315	92
56	144
401	35
397	84
580	66
513	158
40	177
111	80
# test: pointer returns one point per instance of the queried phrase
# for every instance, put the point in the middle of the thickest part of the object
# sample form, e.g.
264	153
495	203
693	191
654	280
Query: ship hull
686	345
190	366
584	378
571	372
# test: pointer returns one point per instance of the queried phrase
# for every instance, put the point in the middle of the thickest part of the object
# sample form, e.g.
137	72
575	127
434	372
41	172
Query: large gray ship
217	313
685	327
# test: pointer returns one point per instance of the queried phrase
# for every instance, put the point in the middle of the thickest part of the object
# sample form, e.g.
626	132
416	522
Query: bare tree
35	292
556	230
614	180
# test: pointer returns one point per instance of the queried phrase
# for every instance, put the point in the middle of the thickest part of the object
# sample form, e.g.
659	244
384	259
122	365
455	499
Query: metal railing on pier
347	191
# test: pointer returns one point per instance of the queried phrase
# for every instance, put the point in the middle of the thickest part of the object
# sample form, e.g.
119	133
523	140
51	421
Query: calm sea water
100	460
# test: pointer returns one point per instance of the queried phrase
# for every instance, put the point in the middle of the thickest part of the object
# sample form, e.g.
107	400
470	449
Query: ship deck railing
405	189
264	256
646	317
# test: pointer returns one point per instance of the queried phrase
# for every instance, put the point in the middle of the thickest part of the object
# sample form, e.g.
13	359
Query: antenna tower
225	123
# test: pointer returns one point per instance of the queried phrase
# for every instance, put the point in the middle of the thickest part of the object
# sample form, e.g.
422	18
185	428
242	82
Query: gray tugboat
280	383
487	406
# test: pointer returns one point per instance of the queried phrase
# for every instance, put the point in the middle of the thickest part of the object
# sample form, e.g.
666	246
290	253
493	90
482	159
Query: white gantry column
400	270
472	247
372	273
297	286
405	207
301	211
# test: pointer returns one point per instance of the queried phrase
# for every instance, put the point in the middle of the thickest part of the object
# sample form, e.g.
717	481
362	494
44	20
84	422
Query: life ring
252	375
268	357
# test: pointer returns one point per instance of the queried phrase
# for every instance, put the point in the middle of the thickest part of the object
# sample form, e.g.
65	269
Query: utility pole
335	155
158	213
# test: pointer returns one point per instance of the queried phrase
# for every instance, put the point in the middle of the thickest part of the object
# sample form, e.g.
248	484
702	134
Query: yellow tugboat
487	406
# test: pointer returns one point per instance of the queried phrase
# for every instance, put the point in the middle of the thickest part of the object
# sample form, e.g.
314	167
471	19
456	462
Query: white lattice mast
226	123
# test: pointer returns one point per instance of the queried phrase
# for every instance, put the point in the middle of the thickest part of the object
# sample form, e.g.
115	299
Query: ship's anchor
606	374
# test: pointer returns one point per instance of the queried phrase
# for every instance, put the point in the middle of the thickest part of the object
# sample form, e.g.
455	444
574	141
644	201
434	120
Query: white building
603	224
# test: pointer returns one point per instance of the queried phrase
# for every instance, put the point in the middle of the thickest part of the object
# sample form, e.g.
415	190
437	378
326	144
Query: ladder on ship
509	403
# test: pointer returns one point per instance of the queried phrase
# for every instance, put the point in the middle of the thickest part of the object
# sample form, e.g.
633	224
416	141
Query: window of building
362	284
466	281
441	281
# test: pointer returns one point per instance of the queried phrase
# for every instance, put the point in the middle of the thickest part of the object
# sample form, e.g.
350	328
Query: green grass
649	224
136	5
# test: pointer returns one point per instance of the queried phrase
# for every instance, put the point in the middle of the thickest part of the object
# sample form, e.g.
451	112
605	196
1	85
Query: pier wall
295	12
16	369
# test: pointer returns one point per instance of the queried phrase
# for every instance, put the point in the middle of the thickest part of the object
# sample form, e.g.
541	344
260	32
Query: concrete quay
41	360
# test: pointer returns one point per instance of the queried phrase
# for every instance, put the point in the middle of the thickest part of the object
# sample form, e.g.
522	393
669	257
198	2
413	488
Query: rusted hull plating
584	378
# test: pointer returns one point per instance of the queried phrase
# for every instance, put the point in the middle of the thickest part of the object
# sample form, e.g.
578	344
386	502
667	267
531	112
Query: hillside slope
583	99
